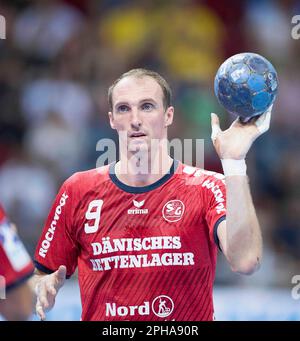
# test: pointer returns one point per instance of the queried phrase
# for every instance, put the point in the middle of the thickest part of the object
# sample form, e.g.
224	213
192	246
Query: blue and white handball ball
246	85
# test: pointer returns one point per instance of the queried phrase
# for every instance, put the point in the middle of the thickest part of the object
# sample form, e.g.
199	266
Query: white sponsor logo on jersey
49	235
138	204
173	210
162	306
219	197
138	209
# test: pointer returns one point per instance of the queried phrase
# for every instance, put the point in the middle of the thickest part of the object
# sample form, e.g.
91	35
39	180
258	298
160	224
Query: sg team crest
173	210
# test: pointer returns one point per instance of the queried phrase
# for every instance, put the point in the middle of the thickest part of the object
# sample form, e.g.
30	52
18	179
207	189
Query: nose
135	120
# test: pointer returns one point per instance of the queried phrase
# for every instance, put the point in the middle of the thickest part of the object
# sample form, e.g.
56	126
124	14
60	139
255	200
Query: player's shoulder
200	176
88	178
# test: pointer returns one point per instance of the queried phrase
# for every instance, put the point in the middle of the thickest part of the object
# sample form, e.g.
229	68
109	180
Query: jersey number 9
93	213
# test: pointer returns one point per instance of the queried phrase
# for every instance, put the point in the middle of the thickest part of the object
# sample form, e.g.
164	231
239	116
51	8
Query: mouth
137	134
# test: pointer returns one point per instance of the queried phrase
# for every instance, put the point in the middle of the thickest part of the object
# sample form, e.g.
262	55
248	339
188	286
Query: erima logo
138	204
138	209
162	306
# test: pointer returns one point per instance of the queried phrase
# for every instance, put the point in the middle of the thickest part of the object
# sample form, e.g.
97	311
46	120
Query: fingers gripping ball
246	85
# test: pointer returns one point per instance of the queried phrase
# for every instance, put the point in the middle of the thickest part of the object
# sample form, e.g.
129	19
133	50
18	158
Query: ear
111	120
169	114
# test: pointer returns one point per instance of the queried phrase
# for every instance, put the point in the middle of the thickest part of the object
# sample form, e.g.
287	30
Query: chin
138	146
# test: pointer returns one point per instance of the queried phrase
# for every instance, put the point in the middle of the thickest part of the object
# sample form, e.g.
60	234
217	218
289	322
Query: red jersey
15	263
143	253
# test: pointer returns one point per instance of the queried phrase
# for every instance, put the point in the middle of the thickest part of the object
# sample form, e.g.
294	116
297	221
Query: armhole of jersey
43	268
19	282
216	239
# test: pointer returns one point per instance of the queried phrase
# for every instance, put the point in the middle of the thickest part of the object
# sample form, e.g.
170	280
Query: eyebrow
140	102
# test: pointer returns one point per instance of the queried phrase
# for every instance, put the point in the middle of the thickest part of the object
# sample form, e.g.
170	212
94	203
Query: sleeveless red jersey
15	263
143	253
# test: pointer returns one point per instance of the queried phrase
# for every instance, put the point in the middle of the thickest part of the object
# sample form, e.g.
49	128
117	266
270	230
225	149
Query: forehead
135	89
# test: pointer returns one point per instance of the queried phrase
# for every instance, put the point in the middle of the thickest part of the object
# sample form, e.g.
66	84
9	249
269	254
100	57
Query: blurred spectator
43	28
61	147
190	48
125	32
27	190
68	99
265	17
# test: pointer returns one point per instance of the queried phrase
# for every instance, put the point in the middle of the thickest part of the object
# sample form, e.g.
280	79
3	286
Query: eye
147	106
123	108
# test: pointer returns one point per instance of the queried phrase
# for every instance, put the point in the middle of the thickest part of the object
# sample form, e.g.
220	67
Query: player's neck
140	171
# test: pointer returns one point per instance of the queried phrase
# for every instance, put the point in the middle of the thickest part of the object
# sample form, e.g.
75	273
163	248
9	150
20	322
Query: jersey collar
143	189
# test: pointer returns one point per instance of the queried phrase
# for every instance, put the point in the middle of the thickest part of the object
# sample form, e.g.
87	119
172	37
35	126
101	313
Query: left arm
240	235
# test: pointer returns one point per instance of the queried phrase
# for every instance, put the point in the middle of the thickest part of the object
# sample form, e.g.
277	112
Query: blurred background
56	63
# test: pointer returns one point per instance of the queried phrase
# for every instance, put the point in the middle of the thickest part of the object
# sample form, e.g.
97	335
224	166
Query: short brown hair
139	73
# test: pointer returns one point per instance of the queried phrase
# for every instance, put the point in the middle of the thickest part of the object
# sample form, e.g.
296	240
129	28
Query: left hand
234	142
